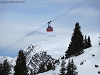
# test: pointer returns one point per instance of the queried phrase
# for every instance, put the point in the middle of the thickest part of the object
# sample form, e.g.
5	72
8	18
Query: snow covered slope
90	58
57	47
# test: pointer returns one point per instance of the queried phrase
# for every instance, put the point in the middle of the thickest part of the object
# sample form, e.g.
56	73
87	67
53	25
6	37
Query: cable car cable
80	12
38	29
71	9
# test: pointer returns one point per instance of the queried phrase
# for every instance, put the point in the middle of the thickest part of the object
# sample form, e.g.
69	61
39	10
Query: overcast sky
17	20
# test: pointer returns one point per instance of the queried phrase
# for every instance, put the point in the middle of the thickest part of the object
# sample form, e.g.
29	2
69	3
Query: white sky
19	19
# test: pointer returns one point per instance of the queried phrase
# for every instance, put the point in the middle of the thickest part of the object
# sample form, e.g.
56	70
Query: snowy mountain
34	58
9	59
56	49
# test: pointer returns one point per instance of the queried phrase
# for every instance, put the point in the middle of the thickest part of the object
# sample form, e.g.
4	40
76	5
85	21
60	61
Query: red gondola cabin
49	28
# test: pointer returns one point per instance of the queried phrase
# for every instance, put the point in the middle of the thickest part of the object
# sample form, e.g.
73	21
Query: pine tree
1	69
49	66
89	42
71	68
42	68
32	72
76	45
20	67
5	68
63	69
85	43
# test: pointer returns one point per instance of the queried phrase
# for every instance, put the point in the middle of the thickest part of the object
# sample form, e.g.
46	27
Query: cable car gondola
49	28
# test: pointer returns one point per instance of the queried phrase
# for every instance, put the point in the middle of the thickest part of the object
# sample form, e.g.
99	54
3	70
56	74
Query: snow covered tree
20	67
71	68
63	68
76	45
5	68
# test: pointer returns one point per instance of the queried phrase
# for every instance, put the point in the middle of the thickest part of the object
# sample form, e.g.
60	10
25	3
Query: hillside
89	62
56	48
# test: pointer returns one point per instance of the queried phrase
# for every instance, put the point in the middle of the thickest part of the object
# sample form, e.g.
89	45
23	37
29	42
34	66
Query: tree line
70	69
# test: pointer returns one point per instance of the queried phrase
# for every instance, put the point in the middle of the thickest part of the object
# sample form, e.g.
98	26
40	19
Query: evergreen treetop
76	45
5	68
71	68
85	43
63	68
89	42
20	67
